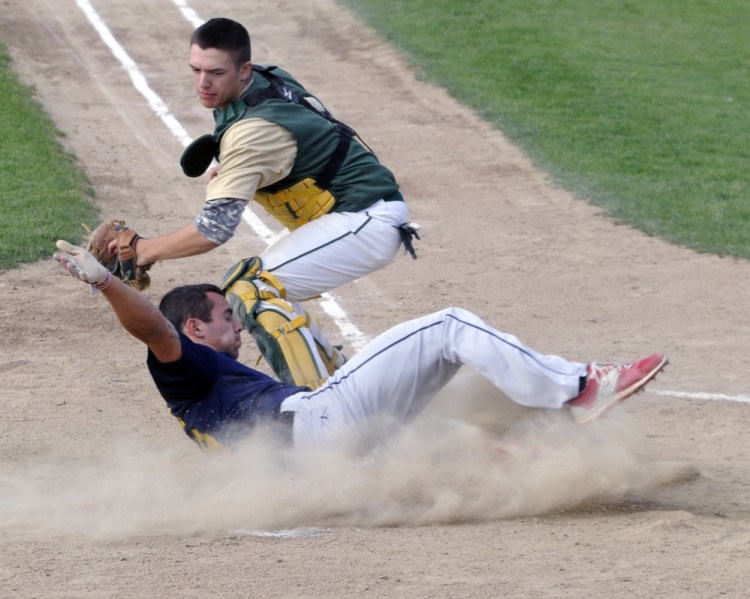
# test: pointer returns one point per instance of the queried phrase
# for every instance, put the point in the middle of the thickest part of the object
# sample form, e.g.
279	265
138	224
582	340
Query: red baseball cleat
606	384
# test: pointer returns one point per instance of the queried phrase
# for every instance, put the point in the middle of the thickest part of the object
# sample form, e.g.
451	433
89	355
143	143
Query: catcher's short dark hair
188	301
224	34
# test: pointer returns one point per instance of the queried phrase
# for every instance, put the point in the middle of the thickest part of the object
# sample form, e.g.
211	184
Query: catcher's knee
240	284
281	332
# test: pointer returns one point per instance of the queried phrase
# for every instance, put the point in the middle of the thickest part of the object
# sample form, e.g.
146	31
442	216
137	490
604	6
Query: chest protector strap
310	198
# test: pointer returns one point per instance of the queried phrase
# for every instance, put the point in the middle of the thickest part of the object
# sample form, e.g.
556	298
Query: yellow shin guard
281	332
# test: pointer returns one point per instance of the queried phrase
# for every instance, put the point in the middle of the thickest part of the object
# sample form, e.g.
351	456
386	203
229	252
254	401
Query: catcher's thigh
286	334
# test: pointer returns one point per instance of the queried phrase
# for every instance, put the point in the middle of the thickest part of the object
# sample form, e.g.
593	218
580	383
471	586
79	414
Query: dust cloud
472	456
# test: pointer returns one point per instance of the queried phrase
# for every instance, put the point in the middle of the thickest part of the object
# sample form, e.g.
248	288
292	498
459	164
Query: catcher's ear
246	71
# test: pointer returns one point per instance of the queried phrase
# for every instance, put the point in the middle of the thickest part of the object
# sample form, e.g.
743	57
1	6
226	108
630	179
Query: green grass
640	106
44	196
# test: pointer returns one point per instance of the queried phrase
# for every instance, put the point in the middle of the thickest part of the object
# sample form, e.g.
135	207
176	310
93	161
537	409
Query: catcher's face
217	79
223	331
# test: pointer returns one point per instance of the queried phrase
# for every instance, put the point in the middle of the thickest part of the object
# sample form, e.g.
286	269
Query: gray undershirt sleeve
219	219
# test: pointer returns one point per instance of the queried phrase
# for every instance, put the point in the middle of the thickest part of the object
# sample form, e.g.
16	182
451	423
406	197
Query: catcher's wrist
104	283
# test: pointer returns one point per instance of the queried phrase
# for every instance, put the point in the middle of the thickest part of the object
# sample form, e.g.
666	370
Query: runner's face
218	82
223	331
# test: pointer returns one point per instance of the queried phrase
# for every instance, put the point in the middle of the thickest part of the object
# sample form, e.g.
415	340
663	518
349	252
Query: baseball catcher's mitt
122	263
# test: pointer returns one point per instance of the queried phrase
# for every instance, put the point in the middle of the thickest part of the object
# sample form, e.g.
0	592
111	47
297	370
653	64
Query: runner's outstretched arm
137	314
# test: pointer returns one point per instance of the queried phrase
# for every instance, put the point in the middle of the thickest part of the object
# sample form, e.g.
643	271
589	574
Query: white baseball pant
400	371
337	248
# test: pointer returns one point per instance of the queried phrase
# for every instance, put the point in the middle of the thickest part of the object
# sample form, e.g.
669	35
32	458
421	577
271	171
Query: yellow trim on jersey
205	441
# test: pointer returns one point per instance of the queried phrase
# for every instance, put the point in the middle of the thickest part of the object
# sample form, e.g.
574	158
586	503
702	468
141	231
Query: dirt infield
102	495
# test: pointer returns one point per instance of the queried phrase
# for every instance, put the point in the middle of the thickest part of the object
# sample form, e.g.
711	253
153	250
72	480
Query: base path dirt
101	493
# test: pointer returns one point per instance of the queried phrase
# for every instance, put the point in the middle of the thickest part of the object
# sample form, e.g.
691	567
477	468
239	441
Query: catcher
276	144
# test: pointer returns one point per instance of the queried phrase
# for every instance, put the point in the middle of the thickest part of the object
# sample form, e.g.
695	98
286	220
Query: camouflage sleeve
219	219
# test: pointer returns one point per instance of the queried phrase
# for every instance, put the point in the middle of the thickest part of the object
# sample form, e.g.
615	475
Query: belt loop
286	427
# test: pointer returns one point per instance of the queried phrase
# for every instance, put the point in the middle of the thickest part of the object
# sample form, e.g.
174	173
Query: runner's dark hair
188	301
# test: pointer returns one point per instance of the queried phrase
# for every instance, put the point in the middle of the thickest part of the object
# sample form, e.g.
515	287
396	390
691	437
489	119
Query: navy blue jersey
216	398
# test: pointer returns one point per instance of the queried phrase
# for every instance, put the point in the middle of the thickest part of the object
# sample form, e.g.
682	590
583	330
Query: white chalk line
139	81
704	396
328	303
159	107
189	14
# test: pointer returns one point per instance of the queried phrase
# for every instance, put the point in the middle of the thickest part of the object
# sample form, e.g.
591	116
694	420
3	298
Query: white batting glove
82	265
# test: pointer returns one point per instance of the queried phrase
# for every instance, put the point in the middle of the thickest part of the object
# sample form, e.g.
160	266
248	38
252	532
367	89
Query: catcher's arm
185	242
137	314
